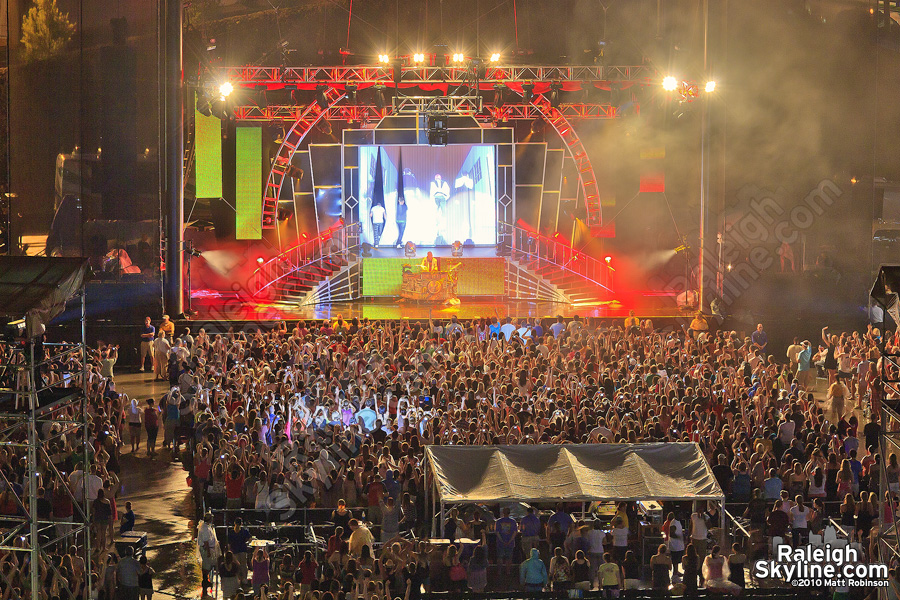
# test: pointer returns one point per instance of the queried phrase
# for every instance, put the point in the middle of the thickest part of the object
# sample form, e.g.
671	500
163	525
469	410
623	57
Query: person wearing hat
208	545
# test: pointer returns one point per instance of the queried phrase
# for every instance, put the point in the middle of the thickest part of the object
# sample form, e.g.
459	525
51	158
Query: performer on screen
377	215
440	192
429	263
401	220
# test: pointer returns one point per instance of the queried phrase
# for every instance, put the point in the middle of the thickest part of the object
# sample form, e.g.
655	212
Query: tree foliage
45	31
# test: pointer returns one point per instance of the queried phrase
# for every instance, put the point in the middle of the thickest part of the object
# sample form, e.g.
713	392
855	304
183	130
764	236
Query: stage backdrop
477	276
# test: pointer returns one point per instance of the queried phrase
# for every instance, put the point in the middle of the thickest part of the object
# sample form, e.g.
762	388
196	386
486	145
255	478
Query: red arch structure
281	164
587	181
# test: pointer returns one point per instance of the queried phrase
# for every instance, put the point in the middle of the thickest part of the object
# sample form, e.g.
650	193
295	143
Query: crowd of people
337	414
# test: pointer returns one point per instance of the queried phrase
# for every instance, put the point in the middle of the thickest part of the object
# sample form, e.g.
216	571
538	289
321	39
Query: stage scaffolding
43	401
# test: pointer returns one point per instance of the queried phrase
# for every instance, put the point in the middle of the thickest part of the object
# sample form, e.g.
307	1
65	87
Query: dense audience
336	415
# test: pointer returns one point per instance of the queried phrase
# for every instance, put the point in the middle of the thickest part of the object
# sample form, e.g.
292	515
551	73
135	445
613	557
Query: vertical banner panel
248	214
208	155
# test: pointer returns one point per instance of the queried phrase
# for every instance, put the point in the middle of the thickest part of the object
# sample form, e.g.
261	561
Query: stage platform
232	309
481	293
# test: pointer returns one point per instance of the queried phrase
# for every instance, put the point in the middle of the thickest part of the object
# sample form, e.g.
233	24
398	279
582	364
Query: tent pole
722	525
442	520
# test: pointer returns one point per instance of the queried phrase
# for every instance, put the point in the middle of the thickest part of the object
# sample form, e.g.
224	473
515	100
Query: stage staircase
582	279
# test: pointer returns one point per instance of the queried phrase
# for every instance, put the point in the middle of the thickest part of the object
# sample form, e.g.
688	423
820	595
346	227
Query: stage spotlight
480	69
350	90
204	106
555	91
528	91
499	89
384	58
418	57
260	260
324	126
320	97
669	83
608	259
456	249
379	97
458	57
710	87
366	250
225	89
397	73
537	126
495	57
409	250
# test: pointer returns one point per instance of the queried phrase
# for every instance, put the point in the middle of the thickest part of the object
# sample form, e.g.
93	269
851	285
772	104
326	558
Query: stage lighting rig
528	92
495	57
320	97
384	59
710	87
409	250
380	100
397	73
204	104
436	129
555	94
225	89
499	90
458	58
456	250
350	89
669	83
479	68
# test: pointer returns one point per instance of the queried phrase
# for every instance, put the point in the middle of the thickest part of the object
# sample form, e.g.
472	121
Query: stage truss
458	90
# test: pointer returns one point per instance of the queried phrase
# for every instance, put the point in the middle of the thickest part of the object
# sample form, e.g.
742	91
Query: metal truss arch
281	164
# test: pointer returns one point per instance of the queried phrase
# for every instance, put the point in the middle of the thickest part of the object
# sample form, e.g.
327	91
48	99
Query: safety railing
337	242
528	245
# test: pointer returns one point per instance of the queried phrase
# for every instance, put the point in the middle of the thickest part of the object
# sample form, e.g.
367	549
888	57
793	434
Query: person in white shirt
377	214
208	546
507	328
160	355
699	532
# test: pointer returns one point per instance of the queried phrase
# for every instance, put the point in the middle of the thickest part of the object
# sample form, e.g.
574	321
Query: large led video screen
449	194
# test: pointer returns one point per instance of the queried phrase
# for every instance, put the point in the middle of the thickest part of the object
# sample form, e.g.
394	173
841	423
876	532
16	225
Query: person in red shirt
234	485
151	424
374	493
307	570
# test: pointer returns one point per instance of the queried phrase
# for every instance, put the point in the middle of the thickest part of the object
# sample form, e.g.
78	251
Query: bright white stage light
710	86
225	89
418	57
458	57
670	83
384	58
495	57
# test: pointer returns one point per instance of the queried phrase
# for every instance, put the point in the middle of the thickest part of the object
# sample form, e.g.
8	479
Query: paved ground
158	491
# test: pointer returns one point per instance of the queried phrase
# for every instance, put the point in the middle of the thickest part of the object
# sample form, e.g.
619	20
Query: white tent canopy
571	472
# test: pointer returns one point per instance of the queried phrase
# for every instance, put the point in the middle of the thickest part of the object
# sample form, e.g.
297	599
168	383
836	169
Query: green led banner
207	155
477	276
248	142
